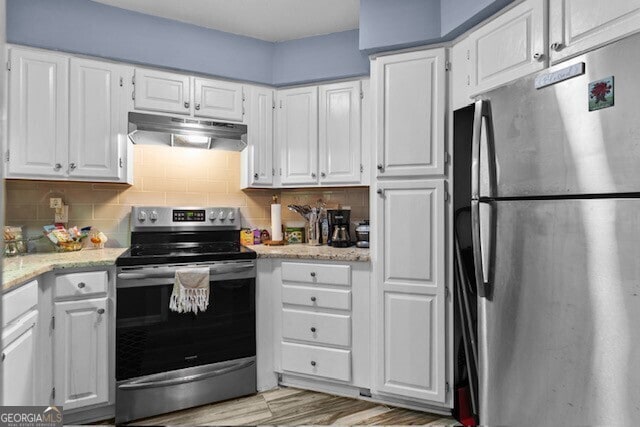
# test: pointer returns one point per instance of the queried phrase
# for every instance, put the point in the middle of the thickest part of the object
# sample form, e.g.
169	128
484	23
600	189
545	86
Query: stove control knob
231	216
154	216
212	216
222	215
142	216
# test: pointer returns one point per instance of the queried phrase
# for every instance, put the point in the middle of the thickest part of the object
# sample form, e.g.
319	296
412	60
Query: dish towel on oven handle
190	290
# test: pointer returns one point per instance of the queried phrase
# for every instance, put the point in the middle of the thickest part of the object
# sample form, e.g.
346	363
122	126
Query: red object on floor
464	407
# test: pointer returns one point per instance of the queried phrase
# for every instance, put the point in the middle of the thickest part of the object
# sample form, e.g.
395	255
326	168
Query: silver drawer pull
313	274
313	329
313	299
313	363
101	311
81	285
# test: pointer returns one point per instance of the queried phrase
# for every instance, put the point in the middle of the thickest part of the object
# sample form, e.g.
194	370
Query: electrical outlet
55	203
62	214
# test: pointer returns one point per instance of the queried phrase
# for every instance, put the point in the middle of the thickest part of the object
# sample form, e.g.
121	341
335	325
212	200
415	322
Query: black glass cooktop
175	248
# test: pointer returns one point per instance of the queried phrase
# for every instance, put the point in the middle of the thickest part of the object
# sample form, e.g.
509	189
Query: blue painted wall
314	58
457	16
82	26
386	25
90	28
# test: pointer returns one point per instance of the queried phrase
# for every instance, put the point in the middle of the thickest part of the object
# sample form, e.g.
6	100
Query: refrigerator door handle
483	234
482	116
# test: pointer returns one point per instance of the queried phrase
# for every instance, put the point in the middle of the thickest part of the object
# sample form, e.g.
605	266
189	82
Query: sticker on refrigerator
601	94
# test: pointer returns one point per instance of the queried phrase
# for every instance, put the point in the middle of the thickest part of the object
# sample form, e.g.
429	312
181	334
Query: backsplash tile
165	176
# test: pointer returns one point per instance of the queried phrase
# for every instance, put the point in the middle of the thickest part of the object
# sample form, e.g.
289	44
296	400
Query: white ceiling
271	20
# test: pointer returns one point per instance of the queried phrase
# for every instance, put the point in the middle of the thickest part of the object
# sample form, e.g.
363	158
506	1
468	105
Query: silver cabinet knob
313	274
313	299
313	363
323	175
197	106
72	166
380	167
186	105
556	46
538	56
255	175
100	311
313	329
313	175
57	167
81	285
380	191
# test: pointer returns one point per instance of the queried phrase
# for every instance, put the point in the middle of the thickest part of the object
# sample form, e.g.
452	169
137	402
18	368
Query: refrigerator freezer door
559	342
547	142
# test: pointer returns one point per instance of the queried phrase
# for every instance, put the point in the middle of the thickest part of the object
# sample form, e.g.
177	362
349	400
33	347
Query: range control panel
155	217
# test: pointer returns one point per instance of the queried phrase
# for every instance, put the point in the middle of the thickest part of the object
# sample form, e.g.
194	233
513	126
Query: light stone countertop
17	270
304	251
20	269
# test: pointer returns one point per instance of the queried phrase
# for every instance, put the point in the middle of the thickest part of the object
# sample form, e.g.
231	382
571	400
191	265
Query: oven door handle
144	383
169	273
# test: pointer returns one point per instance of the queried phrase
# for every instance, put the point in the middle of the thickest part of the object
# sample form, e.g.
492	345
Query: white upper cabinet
81	357
410	353
162	91
461	74
511	46
340	149
98	121
298	135
410	113
38	114
257	159
580	25
218	100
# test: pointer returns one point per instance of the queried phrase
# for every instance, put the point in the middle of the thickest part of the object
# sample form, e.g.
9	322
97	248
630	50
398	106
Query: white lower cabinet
19	346
18	361
409	328
321	322
83	346
81	372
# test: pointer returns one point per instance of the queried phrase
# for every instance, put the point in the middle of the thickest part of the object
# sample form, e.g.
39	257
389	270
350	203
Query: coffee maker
339	236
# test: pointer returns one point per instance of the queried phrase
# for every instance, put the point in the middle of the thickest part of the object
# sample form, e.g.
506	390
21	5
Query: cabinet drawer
321	328
339	299
81	284
311	360
316	273
19	301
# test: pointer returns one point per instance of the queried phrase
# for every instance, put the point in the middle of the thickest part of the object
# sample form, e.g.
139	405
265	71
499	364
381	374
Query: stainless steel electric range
166	361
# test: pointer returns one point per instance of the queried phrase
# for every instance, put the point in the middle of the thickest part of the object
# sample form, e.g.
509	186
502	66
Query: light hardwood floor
291	406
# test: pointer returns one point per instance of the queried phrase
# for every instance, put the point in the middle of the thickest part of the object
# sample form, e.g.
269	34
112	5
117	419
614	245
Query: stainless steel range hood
152	129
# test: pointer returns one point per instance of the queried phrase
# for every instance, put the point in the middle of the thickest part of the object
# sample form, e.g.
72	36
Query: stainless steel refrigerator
556	232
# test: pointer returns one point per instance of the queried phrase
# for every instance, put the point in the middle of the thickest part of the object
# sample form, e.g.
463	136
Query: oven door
152	339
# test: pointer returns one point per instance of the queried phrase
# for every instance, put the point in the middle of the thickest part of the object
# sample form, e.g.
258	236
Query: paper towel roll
276	222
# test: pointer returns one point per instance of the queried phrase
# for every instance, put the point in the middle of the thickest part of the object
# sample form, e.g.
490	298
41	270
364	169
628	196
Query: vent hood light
151	129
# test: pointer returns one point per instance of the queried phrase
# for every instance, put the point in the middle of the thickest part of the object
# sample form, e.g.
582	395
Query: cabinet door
257	158
511	46
218	100
298	135
38	114
97	123
410	289
162	91
18	361
81	357
461	72
410	113
339	133
576	26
